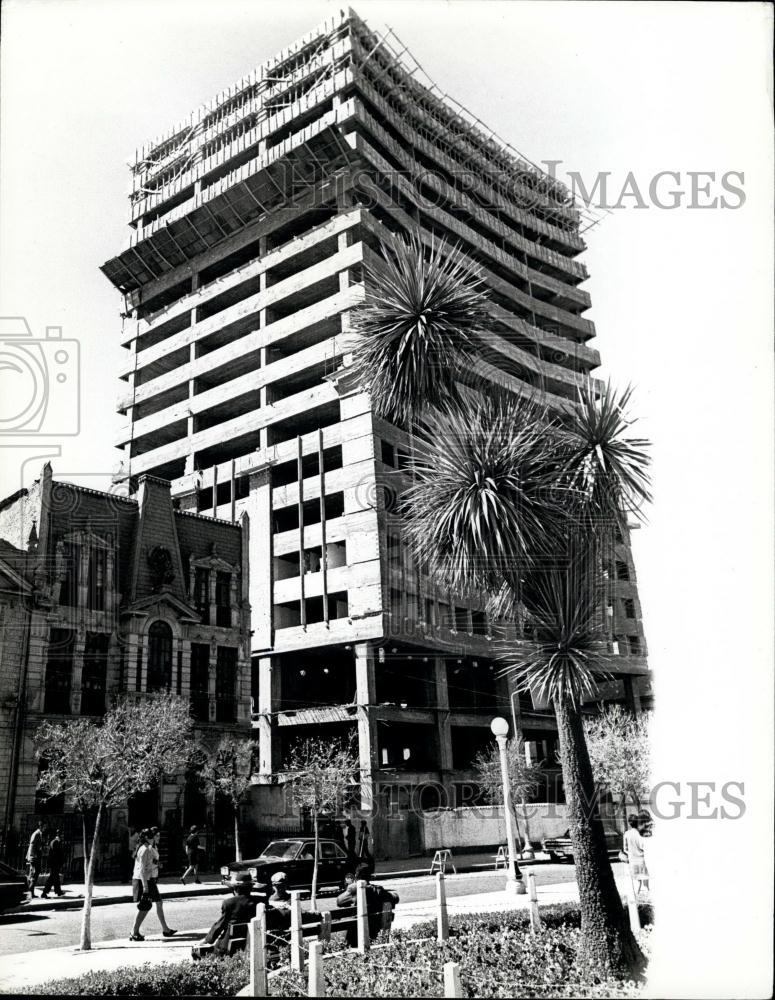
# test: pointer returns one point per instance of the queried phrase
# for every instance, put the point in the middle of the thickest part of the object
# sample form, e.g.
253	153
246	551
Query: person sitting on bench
280	898
376	897
237	909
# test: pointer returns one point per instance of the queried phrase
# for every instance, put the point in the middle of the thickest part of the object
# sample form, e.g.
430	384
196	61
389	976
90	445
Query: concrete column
261	575
366	697
443	725
269	694
189	466
632	695
344	276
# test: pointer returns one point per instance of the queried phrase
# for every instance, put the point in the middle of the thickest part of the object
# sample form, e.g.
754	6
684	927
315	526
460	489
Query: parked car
561	848
296	857
13	887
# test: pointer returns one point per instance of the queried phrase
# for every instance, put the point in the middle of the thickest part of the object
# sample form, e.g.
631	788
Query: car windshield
281	850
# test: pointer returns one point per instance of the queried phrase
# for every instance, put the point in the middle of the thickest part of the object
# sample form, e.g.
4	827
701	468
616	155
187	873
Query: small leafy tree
227	769
619	752
320	773
99	766
523	778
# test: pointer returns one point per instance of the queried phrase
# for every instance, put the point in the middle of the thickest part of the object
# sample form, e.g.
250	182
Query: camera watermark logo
39	381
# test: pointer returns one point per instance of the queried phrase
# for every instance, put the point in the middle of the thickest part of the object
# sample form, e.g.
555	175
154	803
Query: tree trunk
85	850
314	895
609	945
237	847
623	806
89	883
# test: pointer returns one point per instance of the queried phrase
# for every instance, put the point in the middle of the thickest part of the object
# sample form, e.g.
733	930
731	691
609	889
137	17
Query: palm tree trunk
85	944
608	941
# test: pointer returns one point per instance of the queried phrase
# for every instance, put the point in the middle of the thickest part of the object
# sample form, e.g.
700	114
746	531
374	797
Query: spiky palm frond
482	503
417	325
604	466
564	656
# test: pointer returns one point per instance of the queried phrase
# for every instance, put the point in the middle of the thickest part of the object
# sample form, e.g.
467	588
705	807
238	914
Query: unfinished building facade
251	222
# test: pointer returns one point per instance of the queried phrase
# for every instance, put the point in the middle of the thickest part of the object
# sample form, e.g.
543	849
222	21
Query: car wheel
554	858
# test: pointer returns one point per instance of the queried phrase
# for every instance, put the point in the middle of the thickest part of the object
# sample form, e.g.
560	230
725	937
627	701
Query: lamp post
514	883
527	850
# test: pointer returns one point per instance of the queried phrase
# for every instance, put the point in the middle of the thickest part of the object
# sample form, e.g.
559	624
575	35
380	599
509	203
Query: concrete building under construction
251	222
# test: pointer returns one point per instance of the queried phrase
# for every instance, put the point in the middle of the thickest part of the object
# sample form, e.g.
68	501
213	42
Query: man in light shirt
634	848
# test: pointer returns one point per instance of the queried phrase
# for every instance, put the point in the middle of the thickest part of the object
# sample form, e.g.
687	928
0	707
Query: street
27	932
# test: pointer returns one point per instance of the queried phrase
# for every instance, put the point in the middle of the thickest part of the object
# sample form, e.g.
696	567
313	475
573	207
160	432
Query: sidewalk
38	967
118	892
17	971
121	892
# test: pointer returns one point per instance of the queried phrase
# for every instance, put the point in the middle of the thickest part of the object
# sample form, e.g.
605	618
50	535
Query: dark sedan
561	848
13	887
296	857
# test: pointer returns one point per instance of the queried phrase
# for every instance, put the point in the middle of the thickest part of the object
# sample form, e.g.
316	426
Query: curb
216	889
76	902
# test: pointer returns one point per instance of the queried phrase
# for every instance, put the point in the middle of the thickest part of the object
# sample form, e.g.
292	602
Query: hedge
497	953
216	977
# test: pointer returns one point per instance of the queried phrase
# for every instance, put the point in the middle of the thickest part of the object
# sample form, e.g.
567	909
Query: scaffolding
444	121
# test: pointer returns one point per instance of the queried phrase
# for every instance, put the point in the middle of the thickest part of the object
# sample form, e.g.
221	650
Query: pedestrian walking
634	848
350	837
363	841
145	890
35	855
193	851
56	857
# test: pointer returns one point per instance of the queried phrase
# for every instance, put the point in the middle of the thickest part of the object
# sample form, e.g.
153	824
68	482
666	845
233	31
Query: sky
681	301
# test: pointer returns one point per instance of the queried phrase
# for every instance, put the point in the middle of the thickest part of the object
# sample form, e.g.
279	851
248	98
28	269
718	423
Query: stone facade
103	596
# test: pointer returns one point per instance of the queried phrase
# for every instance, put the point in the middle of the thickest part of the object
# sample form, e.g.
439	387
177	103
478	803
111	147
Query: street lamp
527	849
514	883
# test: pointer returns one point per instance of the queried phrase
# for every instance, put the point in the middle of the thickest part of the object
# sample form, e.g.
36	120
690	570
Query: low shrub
552	915
497	954
215	977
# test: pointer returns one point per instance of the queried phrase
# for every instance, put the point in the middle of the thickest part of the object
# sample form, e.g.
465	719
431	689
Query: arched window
159	657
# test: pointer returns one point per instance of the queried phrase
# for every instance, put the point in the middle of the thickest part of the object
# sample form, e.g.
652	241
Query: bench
278	925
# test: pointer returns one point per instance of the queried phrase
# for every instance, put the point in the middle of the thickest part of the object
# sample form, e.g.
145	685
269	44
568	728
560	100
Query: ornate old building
102	595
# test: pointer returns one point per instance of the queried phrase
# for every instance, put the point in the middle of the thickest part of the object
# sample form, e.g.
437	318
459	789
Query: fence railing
320	927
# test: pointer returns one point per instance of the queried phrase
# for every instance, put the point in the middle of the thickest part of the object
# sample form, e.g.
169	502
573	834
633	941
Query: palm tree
419	324
512	502
563	661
